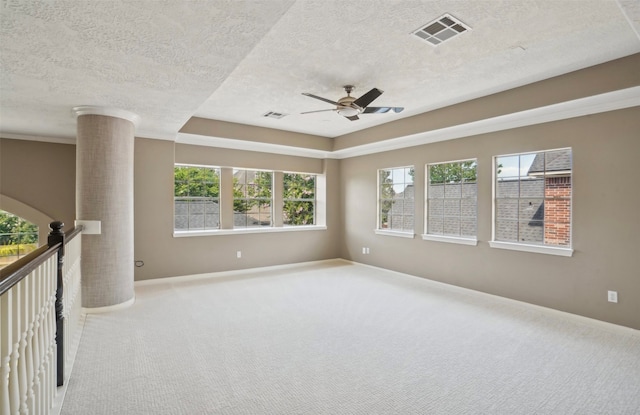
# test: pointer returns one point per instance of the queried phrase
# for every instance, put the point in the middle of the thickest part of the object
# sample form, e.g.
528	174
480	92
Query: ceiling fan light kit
350	107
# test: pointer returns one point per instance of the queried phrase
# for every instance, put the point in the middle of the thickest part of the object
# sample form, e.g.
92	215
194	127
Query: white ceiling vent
273	114
441	29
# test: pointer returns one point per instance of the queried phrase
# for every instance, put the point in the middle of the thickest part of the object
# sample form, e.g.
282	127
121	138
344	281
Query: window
395	199
252	198
18	237
299	199
452	202
196	198
210	200
533	199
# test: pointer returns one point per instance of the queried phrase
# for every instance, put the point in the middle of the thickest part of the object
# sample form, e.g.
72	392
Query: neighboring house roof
558	162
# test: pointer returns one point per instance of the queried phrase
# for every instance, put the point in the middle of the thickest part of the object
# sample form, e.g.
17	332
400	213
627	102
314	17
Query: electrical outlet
239	254
612	296
364	250
368	252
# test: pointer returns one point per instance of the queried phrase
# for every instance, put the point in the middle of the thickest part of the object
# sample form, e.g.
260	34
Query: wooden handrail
14	272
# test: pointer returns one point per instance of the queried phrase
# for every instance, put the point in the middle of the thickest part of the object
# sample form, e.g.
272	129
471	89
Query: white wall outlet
612	296
364	250
239	254
368	252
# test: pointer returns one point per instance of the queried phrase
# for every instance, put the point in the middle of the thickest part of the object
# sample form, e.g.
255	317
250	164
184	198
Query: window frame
387	231
256	199
530	247
218	199
312	200
226	204
456	239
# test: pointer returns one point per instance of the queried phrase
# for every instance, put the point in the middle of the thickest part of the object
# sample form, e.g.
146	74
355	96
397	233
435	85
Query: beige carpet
339	338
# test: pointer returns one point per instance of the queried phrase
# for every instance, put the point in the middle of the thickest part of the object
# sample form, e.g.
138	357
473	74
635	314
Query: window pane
507	209
436	191
396	194
452	207
468	227
532	187
452	225
452	190
507	230
531	209
435	225
531	164
468	208
436	174
455	182
507	167
543	198
470	190
531	232
507	188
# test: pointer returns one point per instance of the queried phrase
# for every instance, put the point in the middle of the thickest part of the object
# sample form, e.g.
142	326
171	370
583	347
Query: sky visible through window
514	166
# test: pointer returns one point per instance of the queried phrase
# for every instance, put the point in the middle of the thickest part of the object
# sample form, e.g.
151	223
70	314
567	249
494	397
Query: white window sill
398	234
237	231
450	239
538	249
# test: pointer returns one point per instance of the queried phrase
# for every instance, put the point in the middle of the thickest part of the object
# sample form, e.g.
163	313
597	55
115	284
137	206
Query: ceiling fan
350	107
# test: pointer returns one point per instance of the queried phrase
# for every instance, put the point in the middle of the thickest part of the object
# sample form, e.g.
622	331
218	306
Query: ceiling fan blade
311	112
368	98
353	118
381	110
320	98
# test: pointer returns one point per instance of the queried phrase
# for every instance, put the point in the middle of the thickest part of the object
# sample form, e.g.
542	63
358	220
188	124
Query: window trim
271	200
538	249
462	240
236	231
217	199
314	201
524	247
450	239
385	231
226	203
399	234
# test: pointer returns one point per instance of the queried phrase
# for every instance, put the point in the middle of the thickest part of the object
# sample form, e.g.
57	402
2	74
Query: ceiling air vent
273	114
441	29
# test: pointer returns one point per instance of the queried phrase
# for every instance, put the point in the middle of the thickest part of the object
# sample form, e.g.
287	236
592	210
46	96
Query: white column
104	196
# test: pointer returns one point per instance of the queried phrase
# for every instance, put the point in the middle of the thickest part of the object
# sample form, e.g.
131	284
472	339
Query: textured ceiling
235	60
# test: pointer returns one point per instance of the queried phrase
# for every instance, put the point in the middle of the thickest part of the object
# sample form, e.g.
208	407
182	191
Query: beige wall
41	176
606	229
165	256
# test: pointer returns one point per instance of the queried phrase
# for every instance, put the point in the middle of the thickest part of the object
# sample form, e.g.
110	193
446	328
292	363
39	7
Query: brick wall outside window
557	211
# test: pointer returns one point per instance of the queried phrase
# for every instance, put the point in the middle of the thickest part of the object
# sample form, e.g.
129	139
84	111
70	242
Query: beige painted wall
165	256
606	228
41	176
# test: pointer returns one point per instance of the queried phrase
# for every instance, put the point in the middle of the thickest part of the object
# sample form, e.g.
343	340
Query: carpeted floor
340	338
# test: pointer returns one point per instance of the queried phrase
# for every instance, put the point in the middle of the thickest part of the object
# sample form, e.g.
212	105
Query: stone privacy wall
453	209
401	216
201	213
196	213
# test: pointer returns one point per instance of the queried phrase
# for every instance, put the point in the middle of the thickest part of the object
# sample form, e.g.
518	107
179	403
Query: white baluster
6	319
24	332
14	385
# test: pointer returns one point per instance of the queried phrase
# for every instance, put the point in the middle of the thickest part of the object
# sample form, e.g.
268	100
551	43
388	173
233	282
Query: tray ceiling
234	61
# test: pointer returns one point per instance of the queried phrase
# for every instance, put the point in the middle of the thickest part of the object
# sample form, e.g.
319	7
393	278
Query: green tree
196	182
299	199
14	230
453	172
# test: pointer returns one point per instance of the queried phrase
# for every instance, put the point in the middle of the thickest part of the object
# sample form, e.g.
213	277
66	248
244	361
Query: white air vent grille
441	29
273	114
